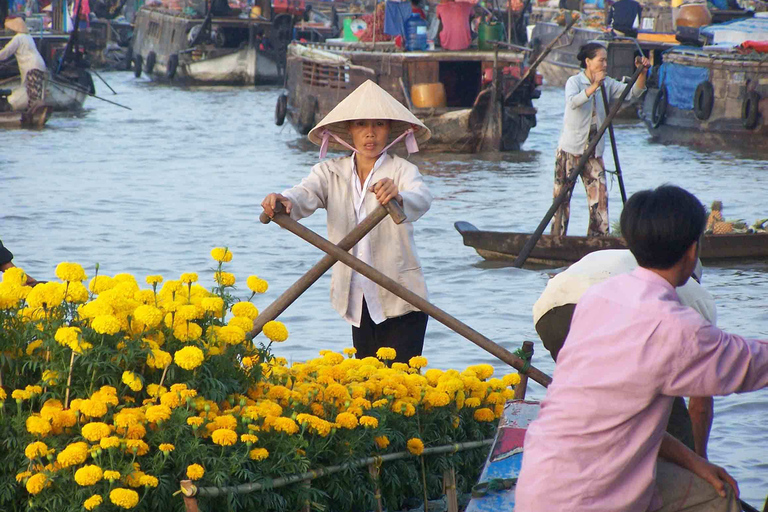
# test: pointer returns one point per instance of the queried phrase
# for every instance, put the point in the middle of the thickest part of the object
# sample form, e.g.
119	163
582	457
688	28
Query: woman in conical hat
31	65
368	122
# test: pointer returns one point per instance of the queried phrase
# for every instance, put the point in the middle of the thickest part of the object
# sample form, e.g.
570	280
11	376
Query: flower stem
69	380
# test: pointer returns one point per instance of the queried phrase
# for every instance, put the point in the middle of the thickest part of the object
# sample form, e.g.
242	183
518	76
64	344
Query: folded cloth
395	14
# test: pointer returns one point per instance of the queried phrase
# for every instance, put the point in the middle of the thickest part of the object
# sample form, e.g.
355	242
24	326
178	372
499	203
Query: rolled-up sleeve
10	49
310	194
616	88
416	196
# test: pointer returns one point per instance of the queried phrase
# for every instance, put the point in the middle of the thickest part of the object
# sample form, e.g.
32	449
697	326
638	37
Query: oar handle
393	209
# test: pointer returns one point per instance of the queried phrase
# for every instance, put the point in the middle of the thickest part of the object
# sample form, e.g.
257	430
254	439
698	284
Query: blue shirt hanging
395	14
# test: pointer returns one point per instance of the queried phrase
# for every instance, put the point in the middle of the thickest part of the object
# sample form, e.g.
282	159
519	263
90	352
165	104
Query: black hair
660	225
588	51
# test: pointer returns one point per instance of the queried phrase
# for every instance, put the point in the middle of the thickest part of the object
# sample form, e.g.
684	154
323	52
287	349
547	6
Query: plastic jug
488	32
415	33
348	34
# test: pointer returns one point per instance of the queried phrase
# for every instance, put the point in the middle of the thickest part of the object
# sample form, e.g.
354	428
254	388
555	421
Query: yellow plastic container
428	95
255	11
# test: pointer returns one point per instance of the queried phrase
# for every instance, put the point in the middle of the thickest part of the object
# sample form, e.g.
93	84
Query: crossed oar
340	253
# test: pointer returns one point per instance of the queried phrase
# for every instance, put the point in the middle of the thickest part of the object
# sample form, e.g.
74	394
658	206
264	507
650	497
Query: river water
152	190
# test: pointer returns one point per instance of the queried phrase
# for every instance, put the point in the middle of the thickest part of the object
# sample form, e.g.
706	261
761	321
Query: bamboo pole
373	470
392	208
212	492
449	488
522	387
396	288
531	243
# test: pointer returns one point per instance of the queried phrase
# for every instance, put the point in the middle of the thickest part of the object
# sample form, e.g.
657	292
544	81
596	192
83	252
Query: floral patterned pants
593	178
35	85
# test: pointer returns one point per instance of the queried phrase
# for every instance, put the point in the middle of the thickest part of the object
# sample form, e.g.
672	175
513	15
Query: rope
526	357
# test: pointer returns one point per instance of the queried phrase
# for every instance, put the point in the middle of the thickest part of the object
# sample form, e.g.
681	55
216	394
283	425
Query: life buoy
307	113
151	59
173	63
659	110
281	108
138	65
750	110
703	100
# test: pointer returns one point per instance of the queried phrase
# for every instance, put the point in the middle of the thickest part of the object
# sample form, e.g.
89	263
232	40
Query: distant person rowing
31	66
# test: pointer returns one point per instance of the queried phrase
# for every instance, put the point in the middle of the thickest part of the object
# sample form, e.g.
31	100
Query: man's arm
701	410
676	452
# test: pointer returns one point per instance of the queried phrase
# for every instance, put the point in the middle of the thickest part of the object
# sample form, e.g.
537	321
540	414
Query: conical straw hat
369	101
17	25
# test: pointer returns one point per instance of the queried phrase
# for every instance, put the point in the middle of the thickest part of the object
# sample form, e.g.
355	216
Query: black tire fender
128	57
138	65
150	64
173	64
703	100
750	110
281	108
659	110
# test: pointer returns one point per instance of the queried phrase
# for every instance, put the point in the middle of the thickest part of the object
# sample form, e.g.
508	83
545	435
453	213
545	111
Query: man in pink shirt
599	442
454	24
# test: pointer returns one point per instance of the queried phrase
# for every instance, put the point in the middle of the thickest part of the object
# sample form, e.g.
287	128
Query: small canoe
61	93
35	118
554	251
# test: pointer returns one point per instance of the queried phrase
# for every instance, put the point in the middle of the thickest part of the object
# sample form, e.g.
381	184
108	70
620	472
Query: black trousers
404	333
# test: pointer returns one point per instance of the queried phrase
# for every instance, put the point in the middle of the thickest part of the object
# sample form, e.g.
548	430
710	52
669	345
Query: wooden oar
392	208
614	148
531	242
396	288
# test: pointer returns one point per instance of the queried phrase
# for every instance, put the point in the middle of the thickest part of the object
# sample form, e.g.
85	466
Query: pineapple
715	216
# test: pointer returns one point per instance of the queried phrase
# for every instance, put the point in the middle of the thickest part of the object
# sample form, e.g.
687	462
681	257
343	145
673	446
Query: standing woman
368	122
584	113
31	65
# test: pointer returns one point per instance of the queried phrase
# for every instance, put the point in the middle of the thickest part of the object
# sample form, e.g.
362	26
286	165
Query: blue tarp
681	82
738	31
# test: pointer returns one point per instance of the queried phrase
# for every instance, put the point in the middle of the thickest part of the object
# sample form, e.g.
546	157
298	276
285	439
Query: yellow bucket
428	95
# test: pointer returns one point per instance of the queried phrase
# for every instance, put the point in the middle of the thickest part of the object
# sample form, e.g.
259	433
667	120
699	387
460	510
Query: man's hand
385	190
642	61
715	475
271	201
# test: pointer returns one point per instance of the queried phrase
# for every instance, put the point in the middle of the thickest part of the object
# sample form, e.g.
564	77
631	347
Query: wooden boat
64	92
35	118
553	251
169	45
711	97
321	75
107	43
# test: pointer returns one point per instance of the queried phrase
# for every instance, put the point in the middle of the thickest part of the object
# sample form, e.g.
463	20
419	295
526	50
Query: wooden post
449	488
188	490
522	387
307	503
373	469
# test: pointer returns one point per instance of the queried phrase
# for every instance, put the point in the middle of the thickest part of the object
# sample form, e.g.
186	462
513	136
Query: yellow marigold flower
511	379
135	431
460	398
472	402
195	471
92	502
88	475
483	371
258	454
132	381
484	414
109	442
158	413
224	437
415	446
73	454
224	278
148	315
38	426
212	305
93	408
189	358
50	377
124	498
21	394
287	425
155	390
37	483
275	331
368	421
381	441
245	309
248	362
76	293
158	359
226	421
154	280
350	351
36	449
257	285
383	402
15	276
166	447
3	394
437	398
404	408
106	324
386	353
100	284
346	420
248	439
24	474
111	475
187	331
70	272
136	446
188	278
148	481
189	312
194	421
221	254
67	336
96	431
417	362
233	334
46	295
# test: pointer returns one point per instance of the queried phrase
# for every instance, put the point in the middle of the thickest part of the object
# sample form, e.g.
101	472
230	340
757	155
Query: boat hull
553	251
34	119
61	94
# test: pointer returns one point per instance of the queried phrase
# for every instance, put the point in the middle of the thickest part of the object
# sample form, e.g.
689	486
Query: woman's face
369	136
598	63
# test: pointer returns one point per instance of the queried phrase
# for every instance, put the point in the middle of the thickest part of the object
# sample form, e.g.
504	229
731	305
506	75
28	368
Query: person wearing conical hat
368	122
31	65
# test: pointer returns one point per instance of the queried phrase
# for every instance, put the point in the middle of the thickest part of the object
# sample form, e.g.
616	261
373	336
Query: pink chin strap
410	142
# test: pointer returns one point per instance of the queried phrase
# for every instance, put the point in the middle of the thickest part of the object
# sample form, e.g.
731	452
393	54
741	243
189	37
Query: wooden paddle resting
396	288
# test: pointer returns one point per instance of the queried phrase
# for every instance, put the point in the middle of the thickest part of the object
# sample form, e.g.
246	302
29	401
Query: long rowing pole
284	221
531	242
80	89
614	148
